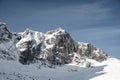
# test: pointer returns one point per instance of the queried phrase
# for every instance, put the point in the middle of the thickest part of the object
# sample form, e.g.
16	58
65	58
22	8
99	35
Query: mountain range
53	55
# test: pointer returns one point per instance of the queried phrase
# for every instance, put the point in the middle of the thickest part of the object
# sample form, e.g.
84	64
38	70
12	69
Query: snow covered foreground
13	70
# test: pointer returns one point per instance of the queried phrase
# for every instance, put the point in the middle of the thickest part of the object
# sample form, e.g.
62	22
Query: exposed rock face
59	47
5	34
29	46
8	48
30	53
89	51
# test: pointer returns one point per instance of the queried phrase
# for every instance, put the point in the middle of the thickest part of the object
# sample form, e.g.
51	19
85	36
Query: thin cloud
94	21
97	33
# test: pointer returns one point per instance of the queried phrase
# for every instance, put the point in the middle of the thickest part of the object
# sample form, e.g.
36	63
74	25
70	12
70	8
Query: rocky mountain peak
29	45
8	48
27	31
55	46
2	25
57	31
59	47
5	34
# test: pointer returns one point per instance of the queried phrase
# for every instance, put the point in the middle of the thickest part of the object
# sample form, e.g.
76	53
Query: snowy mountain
54	55
8	48
29	45
56	47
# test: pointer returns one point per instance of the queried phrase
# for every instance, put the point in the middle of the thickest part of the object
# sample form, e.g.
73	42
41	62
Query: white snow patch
107	70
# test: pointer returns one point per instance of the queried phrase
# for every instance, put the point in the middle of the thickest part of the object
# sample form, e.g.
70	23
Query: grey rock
5	34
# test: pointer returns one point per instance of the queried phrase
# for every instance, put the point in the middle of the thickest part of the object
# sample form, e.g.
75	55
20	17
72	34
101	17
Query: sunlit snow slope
107	70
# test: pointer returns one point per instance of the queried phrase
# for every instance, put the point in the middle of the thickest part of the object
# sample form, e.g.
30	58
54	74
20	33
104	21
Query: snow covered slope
107	70
8	48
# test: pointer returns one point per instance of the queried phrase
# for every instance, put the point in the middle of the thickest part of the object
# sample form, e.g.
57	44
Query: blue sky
93	21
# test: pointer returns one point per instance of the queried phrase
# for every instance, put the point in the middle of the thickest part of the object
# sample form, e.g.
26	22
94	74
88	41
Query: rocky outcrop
30	53
5	34
8	48
87	50
29	46
59	47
